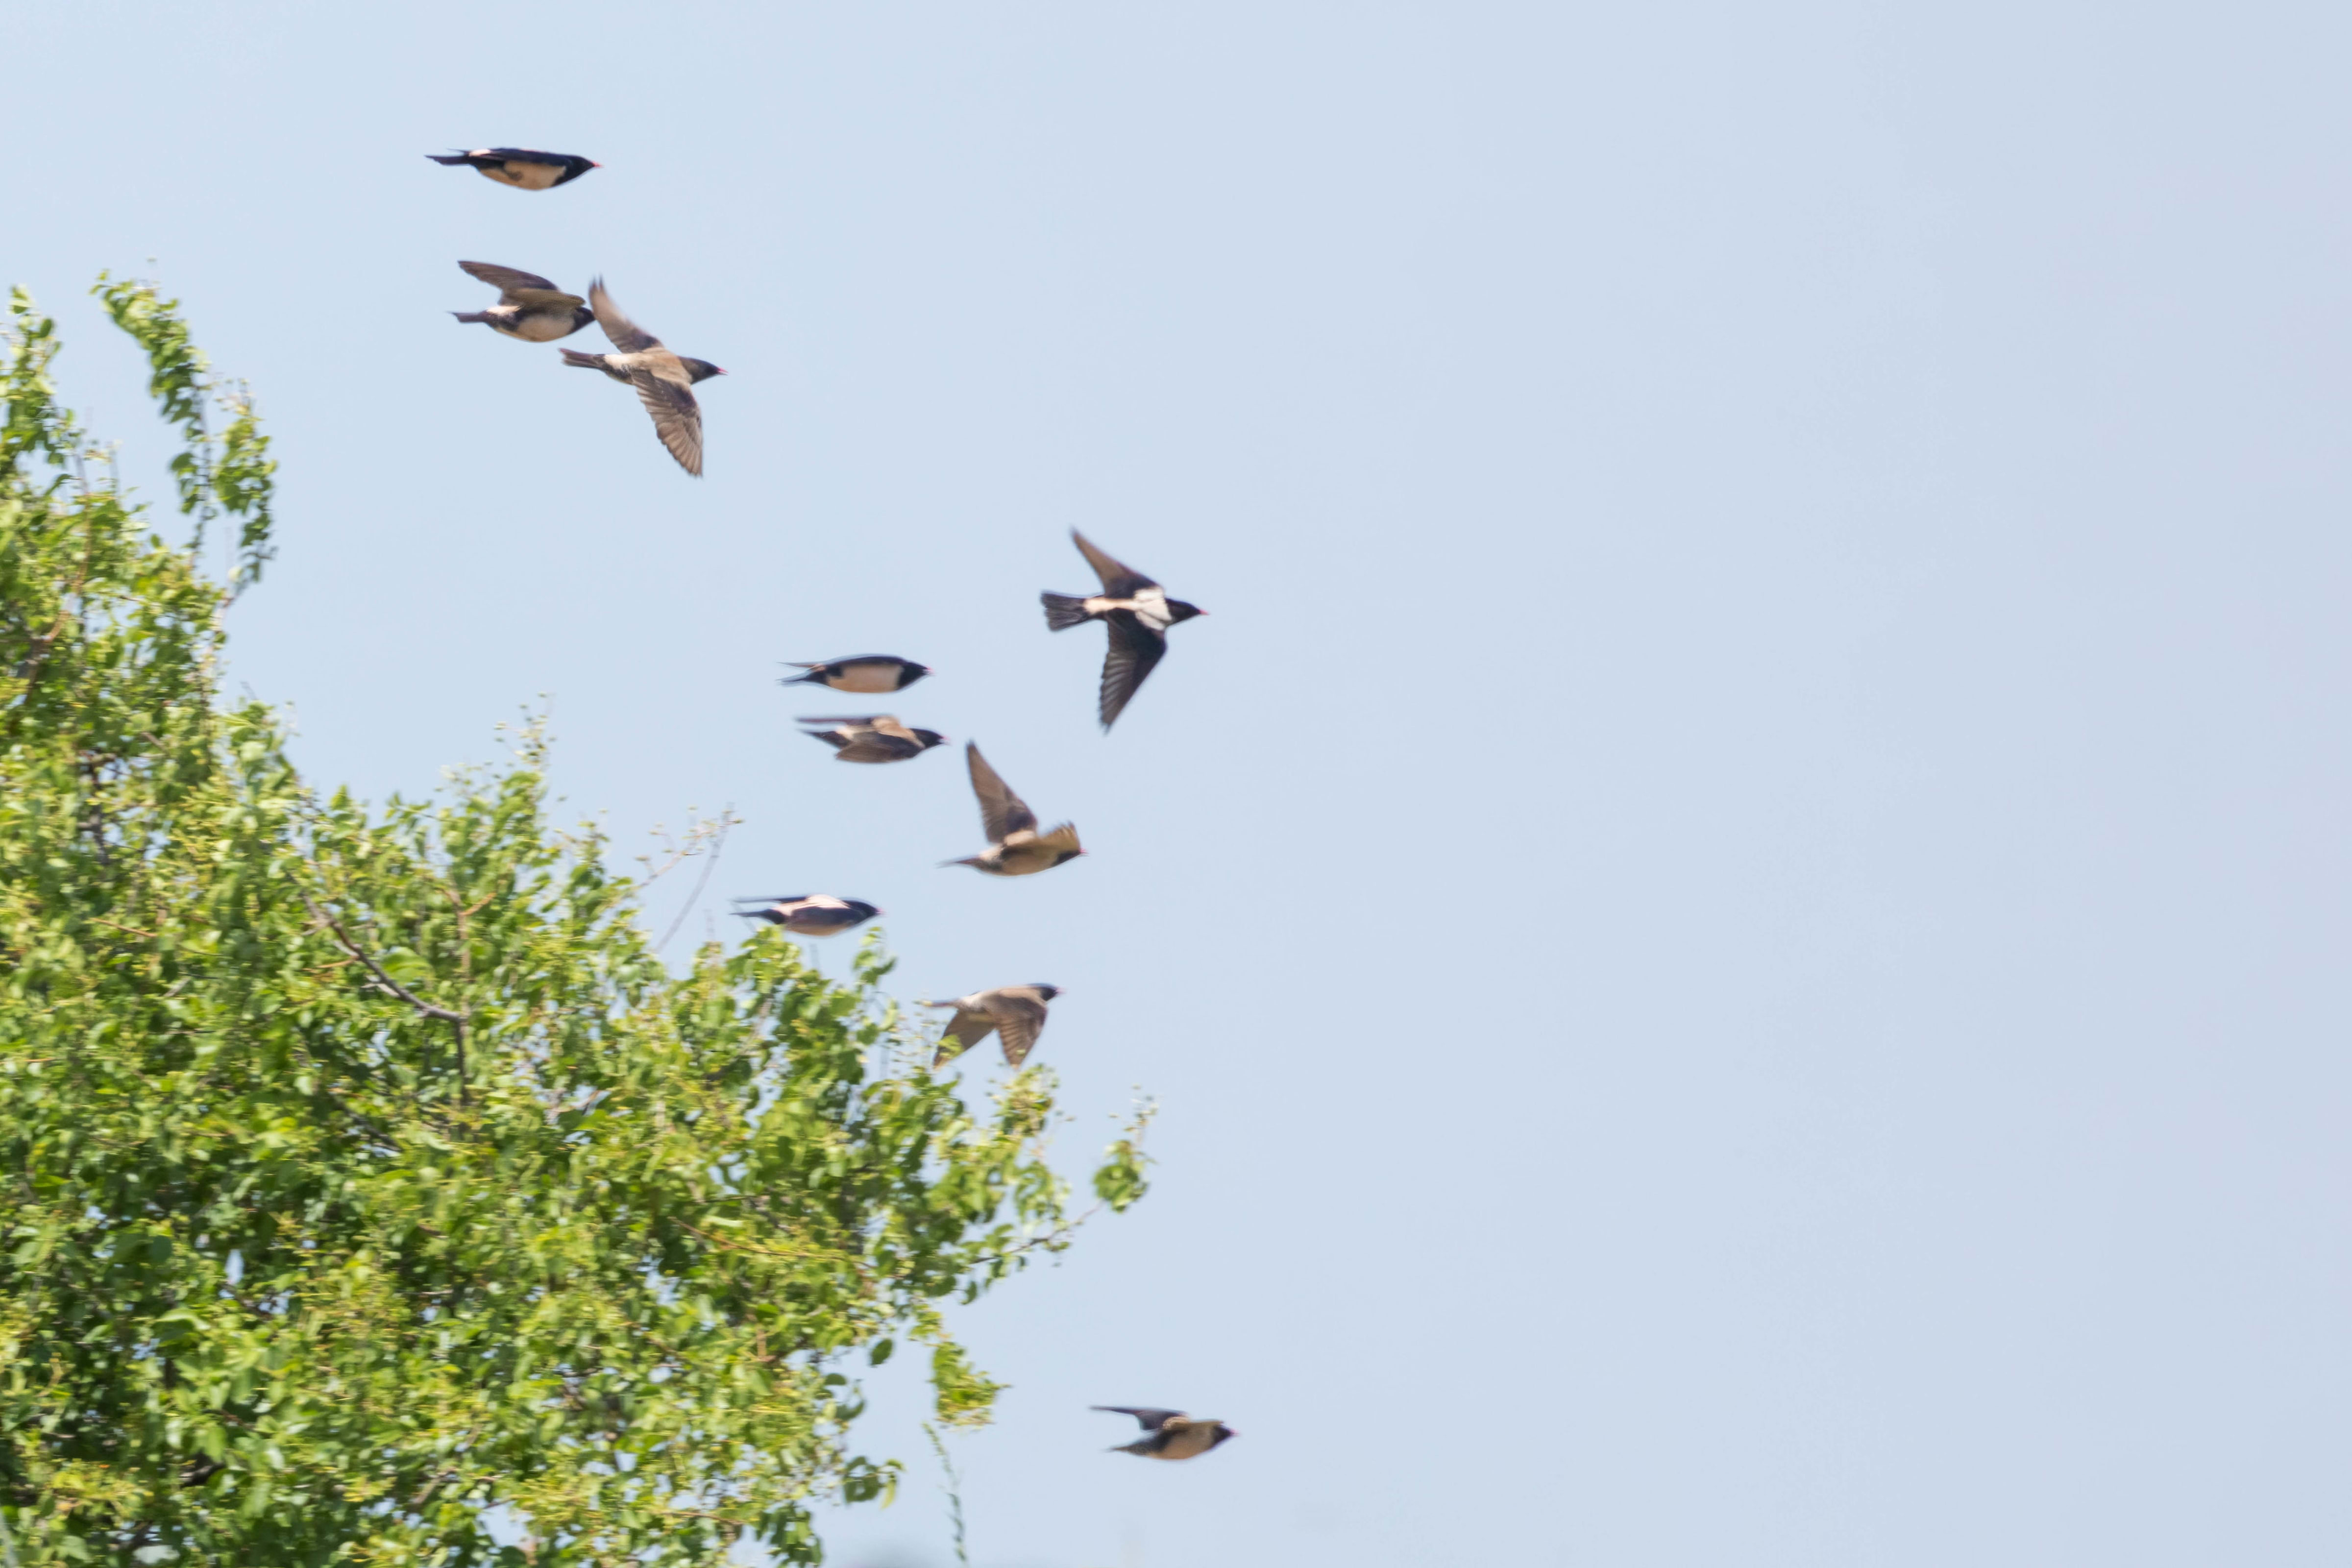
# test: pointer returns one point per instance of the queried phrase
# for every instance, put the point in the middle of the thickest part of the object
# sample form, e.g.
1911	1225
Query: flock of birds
1133	608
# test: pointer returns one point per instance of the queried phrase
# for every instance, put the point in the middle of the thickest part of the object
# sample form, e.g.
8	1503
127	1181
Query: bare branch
383	981
710	863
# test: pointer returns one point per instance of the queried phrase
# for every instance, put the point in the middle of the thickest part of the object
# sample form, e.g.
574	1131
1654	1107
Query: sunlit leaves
1119	1180
232	474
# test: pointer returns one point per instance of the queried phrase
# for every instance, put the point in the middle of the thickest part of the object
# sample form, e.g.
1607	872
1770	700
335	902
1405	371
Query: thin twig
456	1021
710	864
134	930
954	1490
1053	1240
810	1253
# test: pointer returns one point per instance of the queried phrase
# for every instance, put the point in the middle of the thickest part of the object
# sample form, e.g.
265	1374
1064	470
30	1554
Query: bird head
1177	610
911	673
931	738
1046	991
700	369
1219	1433
861	909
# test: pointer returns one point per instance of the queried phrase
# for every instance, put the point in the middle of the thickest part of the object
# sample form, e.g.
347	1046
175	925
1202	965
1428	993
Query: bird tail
813	677
584	361
471	316
1063	610
967	860
448	160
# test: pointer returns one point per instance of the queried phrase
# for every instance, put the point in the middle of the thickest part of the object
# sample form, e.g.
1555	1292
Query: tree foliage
366	1169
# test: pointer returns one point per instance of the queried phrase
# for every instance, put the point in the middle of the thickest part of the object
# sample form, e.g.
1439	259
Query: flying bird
875	738
1137	611
519	166
1015	847
1015	1014
810	914
663	381
1173	1433
530	307
868	672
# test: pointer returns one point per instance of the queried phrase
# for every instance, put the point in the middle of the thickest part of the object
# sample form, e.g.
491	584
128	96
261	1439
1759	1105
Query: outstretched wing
965	1030
626	335
1118	582
1019	1021
677	417
525	155
1151	1418
1133	650
517	286
1001	813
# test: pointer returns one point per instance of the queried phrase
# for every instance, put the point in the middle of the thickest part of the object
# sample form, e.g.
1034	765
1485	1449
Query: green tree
365	1168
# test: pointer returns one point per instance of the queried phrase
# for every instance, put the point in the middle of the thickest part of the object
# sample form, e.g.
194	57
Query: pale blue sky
1739	913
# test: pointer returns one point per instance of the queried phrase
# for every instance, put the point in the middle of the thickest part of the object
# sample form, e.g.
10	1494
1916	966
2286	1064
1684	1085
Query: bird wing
1119	582
965	1030
871	747
1019	1018
517	286
1001	813
626	335
1133	650
1065	836
888	724
1150	1419
677	417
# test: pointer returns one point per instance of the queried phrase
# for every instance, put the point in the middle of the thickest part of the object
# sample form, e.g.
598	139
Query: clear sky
1739	912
